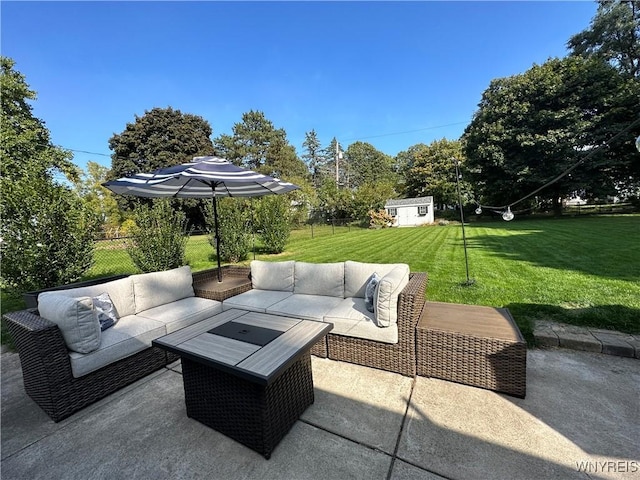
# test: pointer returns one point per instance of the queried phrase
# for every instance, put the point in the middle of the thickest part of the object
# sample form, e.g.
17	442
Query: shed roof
409	202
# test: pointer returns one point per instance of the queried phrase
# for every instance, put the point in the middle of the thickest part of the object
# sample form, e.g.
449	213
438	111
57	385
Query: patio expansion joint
404	420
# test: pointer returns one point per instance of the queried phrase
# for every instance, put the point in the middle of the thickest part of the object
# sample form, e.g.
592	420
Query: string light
638	143
508	215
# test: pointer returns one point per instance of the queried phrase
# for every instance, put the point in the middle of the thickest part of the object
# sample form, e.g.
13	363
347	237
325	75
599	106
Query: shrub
47	236
273	215
380	219
159	239
234	229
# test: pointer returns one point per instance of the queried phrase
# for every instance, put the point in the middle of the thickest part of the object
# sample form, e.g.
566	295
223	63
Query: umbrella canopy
204	177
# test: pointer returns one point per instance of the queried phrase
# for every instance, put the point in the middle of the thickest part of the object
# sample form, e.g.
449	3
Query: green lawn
582	271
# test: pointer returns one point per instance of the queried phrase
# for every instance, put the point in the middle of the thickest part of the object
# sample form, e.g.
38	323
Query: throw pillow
105	311
370	290
75	318
386	297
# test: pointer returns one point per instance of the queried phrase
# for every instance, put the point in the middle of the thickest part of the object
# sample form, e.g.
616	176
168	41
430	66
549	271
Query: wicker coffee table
474	345
247	374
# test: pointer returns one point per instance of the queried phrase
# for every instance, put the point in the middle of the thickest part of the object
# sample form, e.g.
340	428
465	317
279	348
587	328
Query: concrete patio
580	419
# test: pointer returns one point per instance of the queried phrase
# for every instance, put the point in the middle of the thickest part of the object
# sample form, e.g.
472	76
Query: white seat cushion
255	300
306	307
352	319
130	335
182	313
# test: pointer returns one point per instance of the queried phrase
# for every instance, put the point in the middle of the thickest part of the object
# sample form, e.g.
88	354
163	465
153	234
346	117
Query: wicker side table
473	345
235	280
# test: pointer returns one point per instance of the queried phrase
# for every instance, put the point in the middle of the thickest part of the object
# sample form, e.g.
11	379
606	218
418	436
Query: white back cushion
386	298
75	318
272	275
357	274
120	291
319	279
160	288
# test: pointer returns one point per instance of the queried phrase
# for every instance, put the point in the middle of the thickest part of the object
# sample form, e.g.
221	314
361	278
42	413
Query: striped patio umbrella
204	177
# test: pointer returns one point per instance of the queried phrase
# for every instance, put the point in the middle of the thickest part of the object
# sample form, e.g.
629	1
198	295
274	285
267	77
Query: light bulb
478	210
638	143
508	215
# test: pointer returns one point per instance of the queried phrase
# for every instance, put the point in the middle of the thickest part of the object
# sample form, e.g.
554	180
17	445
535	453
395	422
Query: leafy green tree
234	228
272	221
430	171
370	196
333	203
162	137
257	145
98	198
303	201
614	36
368	165
158	241
530	128
47	233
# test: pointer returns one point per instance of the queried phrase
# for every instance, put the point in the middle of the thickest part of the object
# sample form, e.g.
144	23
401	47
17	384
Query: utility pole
337	163
338	158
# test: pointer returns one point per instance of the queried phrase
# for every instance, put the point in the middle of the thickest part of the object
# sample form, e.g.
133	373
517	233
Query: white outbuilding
409	212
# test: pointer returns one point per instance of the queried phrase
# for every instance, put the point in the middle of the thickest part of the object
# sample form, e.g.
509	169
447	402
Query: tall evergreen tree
257	145
315	158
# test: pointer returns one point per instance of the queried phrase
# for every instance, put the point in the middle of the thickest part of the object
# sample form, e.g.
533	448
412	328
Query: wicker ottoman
473	345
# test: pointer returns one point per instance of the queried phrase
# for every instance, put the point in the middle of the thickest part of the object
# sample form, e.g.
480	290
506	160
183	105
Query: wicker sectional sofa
334	292
62	381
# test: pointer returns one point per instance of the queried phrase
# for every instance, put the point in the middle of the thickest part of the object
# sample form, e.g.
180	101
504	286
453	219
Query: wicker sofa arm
41	346
411	302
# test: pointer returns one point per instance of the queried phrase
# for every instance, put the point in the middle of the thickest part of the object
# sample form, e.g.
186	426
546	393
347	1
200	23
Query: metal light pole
464	237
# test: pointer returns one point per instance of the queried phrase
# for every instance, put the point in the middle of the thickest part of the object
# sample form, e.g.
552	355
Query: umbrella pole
215	222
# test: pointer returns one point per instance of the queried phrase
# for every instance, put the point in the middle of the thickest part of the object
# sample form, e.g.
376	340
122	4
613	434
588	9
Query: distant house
409	212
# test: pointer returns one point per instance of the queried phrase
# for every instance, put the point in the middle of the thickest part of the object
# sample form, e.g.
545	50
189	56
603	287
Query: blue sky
391	74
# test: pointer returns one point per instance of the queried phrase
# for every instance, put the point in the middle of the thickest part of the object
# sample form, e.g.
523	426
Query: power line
84	151
405	132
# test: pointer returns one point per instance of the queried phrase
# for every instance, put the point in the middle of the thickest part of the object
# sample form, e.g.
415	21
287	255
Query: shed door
404	216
